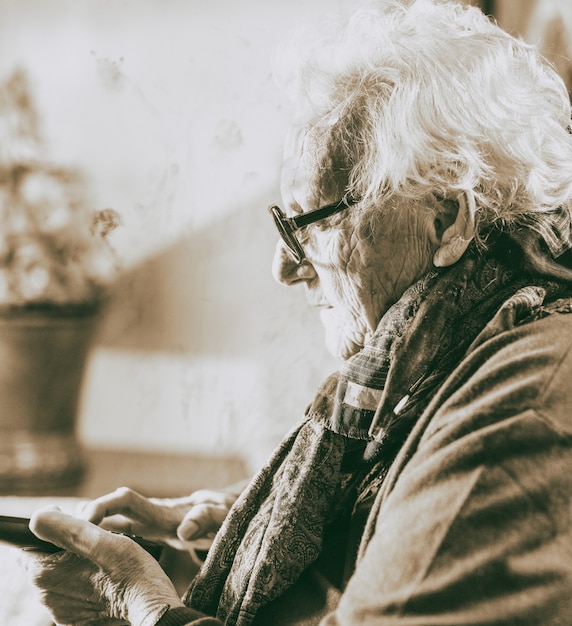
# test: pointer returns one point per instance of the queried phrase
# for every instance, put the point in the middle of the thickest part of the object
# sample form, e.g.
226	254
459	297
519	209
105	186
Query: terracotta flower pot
42	363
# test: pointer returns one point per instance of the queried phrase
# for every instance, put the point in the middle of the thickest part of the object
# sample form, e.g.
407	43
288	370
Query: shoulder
523	369
506	408
494	461
478	503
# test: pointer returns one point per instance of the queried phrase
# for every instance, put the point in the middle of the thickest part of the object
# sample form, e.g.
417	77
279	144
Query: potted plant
55	265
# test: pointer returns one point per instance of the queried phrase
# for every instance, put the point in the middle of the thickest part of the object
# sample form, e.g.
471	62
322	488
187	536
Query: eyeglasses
287	226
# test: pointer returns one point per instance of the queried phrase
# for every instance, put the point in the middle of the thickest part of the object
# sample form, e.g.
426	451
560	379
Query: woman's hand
183	523
100	576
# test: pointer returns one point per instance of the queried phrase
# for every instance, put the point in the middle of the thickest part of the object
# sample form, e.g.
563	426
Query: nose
286	271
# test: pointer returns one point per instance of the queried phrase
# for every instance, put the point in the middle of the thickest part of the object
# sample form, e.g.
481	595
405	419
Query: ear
458	233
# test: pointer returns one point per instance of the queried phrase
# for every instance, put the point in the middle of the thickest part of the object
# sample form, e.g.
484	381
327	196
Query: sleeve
183	616
477	528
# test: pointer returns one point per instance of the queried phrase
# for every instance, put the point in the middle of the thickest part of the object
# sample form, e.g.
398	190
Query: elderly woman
427	197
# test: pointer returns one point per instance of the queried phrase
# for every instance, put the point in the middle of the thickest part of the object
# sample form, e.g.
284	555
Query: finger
78	536
122	501
115	523
201	520
121	524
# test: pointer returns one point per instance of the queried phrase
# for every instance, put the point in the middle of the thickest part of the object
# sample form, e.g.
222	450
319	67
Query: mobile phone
15	531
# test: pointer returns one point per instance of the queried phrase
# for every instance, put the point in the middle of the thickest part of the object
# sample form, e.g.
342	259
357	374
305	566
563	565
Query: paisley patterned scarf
276	528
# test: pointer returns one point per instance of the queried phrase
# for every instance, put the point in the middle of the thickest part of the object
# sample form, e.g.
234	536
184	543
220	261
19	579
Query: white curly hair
433	97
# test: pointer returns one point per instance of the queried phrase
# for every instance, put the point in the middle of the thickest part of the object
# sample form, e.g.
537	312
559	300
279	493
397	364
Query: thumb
74	535
130	583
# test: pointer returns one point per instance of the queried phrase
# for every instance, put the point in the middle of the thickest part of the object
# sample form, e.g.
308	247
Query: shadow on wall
202	351
211	293
546	23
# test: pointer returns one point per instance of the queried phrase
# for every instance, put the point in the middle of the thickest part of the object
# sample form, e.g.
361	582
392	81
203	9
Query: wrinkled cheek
349	297
355	303
344	292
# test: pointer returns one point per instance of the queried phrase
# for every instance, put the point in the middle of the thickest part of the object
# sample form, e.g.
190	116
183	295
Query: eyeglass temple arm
314	216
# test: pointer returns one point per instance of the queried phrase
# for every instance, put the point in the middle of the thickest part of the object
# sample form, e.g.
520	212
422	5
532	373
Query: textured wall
546	23
169	107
